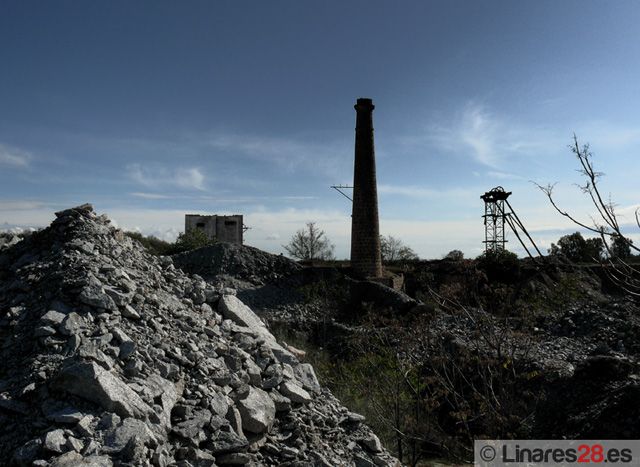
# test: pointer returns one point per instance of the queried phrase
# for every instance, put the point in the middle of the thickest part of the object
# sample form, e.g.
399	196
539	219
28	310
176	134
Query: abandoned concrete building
221	228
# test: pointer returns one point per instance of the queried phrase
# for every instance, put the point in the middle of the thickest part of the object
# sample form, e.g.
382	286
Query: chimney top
364	103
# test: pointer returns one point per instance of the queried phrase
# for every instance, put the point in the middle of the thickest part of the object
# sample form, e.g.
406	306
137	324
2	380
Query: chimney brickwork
365	230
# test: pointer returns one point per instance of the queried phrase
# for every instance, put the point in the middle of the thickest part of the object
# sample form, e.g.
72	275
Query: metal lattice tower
494	218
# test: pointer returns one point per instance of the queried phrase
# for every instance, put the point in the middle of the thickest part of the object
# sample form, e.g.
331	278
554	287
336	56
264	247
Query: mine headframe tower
496	216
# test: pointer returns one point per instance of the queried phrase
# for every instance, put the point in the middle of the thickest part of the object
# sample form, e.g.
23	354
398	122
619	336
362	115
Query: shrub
185	242
191	240
500	265
454	255
154	245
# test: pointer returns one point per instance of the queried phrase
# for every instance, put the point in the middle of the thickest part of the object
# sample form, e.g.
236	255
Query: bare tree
606	224
310	243
393	249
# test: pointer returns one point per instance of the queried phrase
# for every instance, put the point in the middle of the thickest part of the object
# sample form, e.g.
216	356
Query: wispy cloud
159	177
424	192
144	195
222	198
287	153
503	175
490	139
14	158
20	204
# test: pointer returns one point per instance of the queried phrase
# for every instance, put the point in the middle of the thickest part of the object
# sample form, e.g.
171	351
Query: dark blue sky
150	109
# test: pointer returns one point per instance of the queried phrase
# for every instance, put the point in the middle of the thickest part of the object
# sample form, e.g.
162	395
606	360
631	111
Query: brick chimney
366	260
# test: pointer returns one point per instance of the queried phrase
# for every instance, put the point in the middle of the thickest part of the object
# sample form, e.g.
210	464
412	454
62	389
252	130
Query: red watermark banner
543	453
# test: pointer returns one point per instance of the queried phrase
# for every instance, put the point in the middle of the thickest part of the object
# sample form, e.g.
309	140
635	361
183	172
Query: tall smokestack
365	230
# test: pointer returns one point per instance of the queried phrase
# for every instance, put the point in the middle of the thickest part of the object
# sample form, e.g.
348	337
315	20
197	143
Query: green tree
578	249
620	247
501	265
190	240
454	255
594	249
310	243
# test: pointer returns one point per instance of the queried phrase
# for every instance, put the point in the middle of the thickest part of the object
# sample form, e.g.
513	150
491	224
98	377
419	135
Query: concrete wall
222	228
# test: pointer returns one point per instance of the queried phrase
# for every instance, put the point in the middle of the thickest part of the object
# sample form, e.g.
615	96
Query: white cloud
143	195
20	204
493	140
14	158
329	158
159	177
503	175
188	178
424	192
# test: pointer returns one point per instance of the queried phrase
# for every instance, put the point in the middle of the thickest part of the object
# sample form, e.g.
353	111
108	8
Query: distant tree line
583	250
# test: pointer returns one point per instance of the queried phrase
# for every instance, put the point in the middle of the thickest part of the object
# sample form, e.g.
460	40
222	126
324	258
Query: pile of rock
237	261
112	356
8	239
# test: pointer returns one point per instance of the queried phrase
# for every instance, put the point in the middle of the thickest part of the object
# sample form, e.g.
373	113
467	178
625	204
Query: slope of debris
238	261
112	356
8	239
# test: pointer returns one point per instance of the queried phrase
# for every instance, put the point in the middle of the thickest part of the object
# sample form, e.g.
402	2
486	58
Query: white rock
372	443
129	312
92	382
232	308
307	376
55	440
257	410
294	392
53	317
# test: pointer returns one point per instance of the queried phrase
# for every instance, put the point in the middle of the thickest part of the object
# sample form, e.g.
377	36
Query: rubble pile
112	356
8	239
241	262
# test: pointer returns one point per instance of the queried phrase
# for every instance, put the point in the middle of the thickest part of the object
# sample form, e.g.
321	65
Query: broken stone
72	324
218	404
44	331
234	458
52	318
191	428
283	404
66	415
294	392
228	441
234	419
85	426
74	459
257	411
119	437
372	443
74	444
92	382
307	376
129	312
55	441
